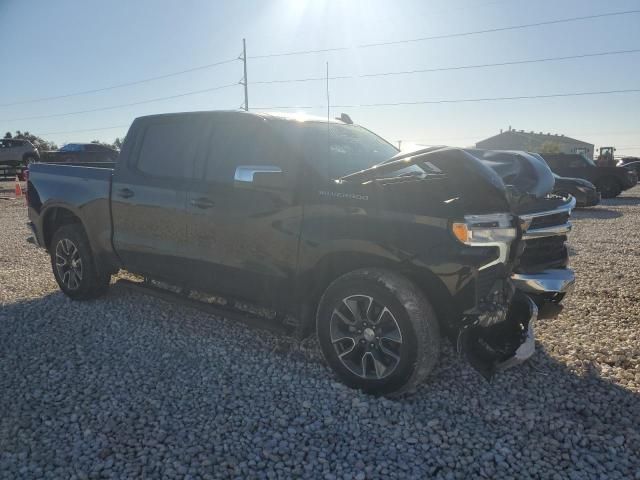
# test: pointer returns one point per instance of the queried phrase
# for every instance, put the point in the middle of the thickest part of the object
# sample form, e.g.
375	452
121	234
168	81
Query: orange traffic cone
18	188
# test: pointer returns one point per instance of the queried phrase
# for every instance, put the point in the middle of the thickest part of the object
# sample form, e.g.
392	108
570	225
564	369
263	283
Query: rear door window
169	148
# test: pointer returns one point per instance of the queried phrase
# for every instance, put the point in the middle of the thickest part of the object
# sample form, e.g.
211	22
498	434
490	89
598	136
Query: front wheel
377	331
74	266
609	187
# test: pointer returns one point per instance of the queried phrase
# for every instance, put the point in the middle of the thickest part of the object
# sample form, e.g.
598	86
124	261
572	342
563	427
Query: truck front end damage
497	332
501	333
501	209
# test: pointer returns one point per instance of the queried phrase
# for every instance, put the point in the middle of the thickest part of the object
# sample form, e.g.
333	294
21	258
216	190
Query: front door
244	213
149	196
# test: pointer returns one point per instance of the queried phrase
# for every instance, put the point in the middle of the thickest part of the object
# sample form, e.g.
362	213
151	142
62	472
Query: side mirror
268	176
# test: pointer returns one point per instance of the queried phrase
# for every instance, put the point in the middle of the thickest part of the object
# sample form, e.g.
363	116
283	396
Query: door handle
202	202
125	193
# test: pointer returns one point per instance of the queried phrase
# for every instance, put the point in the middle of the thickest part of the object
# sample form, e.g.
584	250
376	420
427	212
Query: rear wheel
609	187
29	159
74	266
377	331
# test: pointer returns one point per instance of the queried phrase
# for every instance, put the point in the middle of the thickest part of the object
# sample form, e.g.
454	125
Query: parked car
81	152
610	181
584	192
379	252
633	166
15	155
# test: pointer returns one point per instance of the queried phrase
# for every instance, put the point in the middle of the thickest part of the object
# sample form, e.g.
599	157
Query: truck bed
82	191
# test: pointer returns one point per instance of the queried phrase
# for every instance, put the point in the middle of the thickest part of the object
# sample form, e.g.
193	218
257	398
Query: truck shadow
624	200
597	212
572	419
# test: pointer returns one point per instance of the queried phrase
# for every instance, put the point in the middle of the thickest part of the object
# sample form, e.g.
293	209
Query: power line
123	105
120	85
460	100
449	35
86	130
459	67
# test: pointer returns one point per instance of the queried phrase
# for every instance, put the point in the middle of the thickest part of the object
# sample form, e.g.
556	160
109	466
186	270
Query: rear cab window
167	148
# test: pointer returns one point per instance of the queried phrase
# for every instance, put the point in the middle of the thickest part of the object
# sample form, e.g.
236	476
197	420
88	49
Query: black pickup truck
610	181
379	252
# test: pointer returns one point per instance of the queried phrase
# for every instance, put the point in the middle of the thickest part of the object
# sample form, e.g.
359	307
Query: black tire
380	372
29	159
609	187
74	266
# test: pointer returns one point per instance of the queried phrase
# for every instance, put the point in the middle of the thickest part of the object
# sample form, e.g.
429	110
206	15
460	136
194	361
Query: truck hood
481	180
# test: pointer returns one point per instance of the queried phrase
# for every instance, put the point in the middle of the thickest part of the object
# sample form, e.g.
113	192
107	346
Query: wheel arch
56	217
28	155
334	265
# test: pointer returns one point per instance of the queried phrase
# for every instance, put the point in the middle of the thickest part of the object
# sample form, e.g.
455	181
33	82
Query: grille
549	220
542	253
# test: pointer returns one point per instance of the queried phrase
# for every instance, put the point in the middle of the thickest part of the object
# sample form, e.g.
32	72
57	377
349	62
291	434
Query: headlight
478	230
493	230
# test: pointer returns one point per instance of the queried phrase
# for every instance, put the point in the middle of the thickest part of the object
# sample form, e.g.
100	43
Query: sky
70	46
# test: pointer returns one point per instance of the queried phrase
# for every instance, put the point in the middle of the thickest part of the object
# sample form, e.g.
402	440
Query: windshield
71	147
336	149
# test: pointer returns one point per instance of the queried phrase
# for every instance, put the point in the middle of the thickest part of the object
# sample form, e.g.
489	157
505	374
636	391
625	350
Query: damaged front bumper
496	342
559	280
528	347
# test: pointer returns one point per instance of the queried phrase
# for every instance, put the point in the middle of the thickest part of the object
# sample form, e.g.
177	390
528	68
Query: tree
8	135
550	147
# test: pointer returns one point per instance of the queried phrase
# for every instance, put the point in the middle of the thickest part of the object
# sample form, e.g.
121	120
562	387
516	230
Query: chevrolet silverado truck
380	253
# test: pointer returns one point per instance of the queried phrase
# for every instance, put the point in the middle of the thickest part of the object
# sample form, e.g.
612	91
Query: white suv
17	153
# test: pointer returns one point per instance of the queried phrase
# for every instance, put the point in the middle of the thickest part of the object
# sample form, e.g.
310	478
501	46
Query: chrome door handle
202	202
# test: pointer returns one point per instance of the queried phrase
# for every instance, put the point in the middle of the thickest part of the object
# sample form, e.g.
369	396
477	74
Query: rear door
149	195
244	212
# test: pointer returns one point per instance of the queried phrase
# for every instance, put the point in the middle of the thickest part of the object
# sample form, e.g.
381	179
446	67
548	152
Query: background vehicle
15	155
606	157
377	251
81	152
609	181
631	163
584	192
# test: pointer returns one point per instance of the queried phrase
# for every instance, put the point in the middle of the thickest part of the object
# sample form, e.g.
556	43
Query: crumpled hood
480	180
528	174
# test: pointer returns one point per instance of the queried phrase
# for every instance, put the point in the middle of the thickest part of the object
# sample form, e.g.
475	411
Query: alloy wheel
366	337
68	264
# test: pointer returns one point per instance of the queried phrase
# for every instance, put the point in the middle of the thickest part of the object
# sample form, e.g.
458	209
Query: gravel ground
130	386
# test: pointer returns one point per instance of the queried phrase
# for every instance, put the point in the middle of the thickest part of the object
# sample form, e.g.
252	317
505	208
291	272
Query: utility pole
245	81
399	144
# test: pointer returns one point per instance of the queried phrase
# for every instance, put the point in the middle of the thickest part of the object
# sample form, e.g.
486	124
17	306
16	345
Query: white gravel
129	386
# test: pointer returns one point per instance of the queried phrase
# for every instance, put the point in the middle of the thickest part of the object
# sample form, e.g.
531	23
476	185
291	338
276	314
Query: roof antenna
328	125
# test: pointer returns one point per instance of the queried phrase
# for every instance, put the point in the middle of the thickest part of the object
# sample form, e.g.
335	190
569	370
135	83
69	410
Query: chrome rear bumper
559	280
